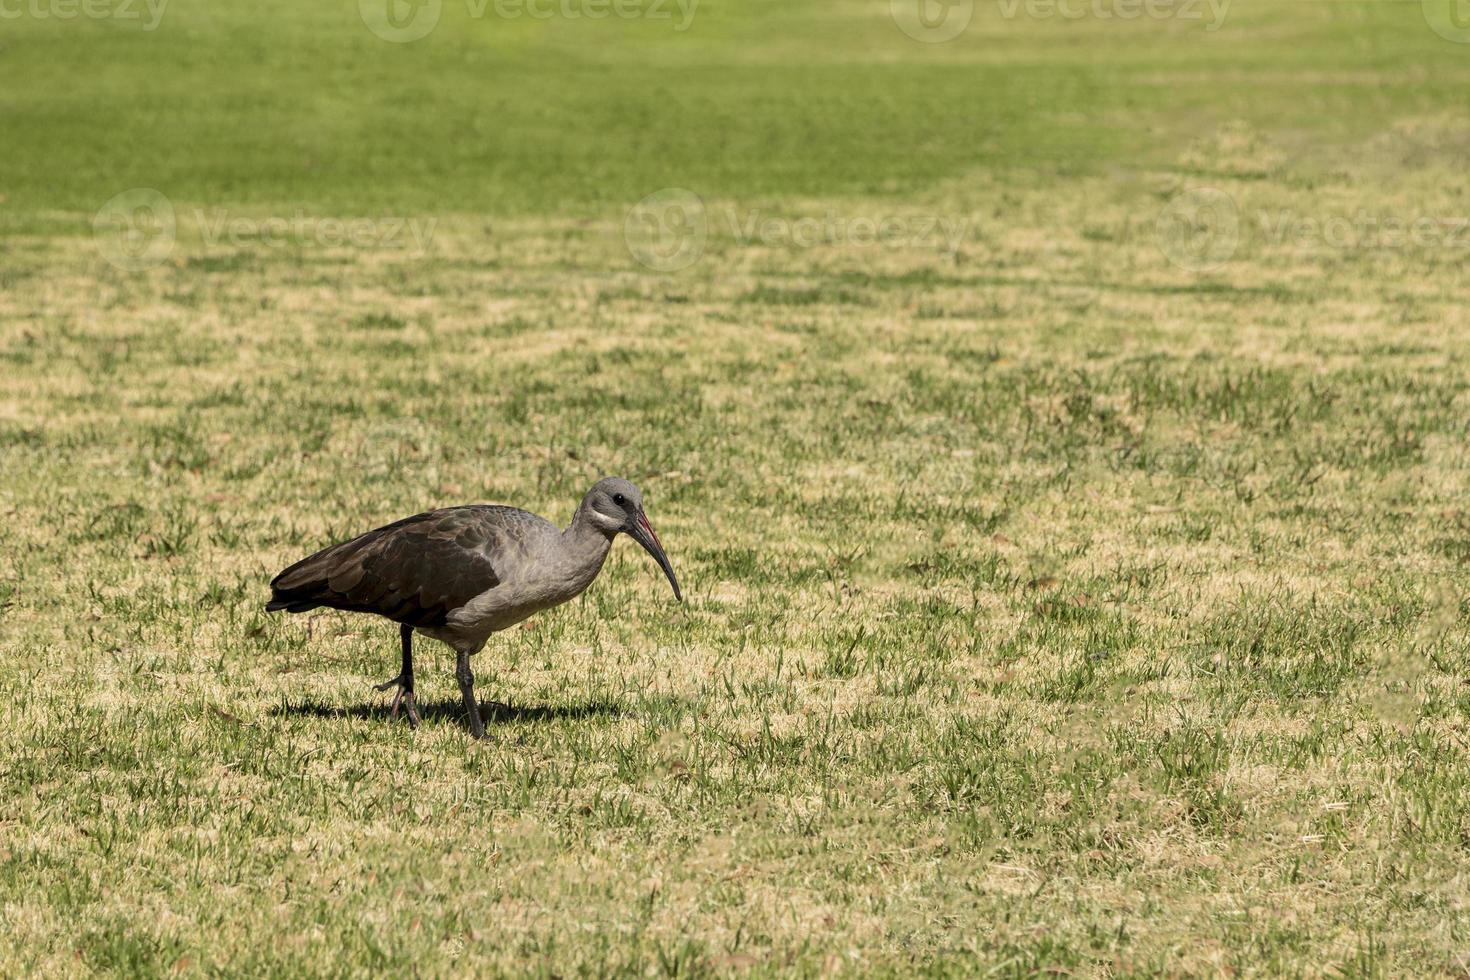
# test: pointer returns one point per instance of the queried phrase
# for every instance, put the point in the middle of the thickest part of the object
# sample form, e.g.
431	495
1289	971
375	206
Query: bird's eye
619	499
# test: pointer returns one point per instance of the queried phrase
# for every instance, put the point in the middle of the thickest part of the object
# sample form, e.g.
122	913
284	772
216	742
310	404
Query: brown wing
415	571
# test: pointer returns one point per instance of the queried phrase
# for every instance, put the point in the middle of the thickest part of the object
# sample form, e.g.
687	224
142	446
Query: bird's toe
394	682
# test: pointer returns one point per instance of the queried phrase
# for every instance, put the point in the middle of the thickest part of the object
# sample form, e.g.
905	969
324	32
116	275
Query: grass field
1060	433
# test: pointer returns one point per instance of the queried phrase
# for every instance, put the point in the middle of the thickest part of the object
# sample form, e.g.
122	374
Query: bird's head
615	506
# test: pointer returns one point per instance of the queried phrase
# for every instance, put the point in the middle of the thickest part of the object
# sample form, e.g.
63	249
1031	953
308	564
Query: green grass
281	103
1054	608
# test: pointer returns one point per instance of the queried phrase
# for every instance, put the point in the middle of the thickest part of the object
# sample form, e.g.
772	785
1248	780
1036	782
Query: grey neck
584	541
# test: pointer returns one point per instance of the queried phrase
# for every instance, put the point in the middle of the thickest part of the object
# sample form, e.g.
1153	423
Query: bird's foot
403	697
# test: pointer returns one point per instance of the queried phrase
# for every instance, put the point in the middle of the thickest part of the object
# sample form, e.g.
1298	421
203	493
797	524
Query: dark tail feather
301	587
279	603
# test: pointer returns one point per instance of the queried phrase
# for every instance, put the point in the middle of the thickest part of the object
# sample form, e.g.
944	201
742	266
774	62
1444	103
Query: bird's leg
466	678
404	681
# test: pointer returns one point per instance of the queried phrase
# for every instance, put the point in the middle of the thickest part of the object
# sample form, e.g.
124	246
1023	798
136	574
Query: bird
460	574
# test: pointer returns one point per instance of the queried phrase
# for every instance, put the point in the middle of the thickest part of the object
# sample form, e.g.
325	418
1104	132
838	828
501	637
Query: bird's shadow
451	710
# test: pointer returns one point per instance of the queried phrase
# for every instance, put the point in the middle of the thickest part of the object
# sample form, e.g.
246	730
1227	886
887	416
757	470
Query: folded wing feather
415	571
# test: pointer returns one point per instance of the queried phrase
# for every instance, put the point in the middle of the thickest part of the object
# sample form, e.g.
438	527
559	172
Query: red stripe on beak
643	520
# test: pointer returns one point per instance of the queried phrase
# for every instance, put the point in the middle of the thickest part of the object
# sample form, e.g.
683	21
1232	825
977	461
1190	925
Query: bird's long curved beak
642	532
